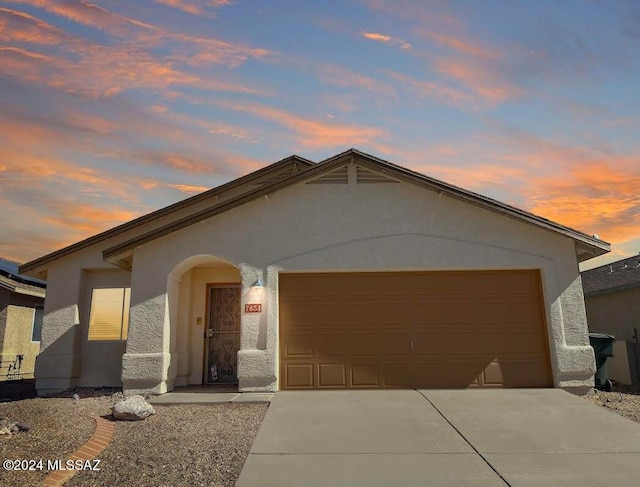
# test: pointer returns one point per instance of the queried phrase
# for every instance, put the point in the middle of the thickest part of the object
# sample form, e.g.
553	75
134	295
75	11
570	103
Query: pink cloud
341	76
315	133
375	36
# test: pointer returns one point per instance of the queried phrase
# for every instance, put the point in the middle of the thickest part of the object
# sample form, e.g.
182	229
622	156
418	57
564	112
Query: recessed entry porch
204	305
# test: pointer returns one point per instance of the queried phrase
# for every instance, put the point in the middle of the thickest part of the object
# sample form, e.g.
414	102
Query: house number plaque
252	308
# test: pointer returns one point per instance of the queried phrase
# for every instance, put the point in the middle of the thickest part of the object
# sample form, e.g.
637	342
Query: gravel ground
187	444
180	445
59	426
623	400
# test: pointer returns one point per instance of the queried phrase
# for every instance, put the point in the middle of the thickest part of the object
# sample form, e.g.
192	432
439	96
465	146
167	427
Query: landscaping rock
8	427
132	408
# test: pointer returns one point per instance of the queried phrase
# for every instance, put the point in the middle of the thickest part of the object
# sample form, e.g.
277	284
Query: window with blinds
109	317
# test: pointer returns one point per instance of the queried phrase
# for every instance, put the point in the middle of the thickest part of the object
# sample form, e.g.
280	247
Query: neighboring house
612	298
350	273
21	312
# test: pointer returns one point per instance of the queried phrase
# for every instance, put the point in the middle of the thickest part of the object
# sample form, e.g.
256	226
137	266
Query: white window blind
109	317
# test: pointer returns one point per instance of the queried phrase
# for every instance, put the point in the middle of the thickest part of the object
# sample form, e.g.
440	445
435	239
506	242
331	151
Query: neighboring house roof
617	276
12	280
586	246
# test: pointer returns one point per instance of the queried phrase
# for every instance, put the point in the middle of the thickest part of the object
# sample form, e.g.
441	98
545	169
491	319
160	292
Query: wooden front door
222	335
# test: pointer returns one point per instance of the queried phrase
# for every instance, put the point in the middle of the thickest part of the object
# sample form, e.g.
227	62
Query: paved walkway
207	396
535	437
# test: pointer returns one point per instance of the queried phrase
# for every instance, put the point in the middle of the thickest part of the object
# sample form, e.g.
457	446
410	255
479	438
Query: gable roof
586	246
617	276
294	162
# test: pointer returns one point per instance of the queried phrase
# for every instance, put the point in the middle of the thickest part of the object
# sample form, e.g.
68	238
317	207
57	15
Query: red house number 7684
252	308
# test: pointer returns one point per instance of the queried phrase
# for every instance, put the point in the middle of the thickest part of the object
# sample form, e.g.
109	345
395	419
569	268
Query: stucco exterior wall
101	360
349	227
17	313
301	228
17	338
616	313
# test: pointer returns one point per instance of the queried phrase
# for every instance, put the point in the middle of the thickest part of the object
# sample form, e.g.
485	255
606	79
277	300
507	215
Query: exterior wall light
258	283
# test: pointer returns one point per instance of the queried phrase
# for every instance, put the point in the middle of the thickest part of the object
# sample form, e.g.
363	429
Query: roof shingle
623	274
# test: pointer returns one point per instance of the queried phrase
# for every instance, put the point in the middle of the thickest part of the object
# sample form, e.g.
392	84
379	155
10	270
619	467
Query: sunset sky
112	109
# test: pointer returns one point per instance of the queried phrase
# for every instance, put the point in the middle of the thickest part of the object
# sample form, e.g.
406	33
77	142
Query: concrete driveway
517	437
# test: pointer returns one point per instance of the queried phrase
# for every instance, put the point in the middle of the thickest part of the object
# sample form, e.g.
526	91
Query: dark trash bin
603	348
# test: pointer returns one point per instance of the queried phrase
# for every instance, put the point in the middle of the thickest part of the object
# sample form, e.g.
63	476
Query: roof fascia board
600	247
485	202
36	264
117	252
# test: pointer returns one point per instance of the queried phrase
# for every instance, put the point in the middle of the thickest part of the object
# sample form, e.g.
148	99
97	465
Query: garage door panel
449	373
524	372
340	313
299	314
364	343
365	375
413	329
333	344
298	376
395	343
299	345
332	375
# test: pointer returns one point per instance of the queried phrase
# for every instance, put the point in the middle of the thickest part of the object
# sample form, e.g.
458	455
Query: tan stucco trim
592	245
38	265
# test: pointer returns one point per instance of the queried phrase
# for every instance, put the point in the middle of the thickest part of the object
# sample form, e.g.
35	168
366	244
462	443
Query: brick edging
91	449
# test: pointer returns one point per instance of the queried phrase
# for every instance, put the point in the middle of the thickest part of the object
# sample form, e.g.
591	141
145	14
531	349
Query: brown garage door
412	329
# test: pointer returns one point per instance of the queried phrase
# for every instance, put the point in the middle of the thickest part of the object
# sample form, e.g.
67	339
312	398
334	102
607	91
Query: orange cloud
177	161
87	219
431	89
596	197
188	188
188	6
21	27
92	15
467	68
469	48
183	48
341	76
581	188
375	36
195	7
313	133
480	78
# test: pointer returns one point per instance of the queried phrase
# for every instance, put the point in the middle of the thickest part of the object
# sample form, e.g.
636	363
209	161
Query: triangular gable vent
339	176
367	176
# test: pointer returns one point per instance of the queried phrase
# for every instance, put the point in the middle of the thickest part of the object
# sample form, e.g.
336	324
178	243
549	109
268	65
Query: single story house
612	299
21	313
348	273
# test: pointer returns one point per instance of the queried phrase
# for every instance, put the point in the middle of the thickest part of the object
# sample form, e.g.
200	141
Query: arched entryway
204	294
